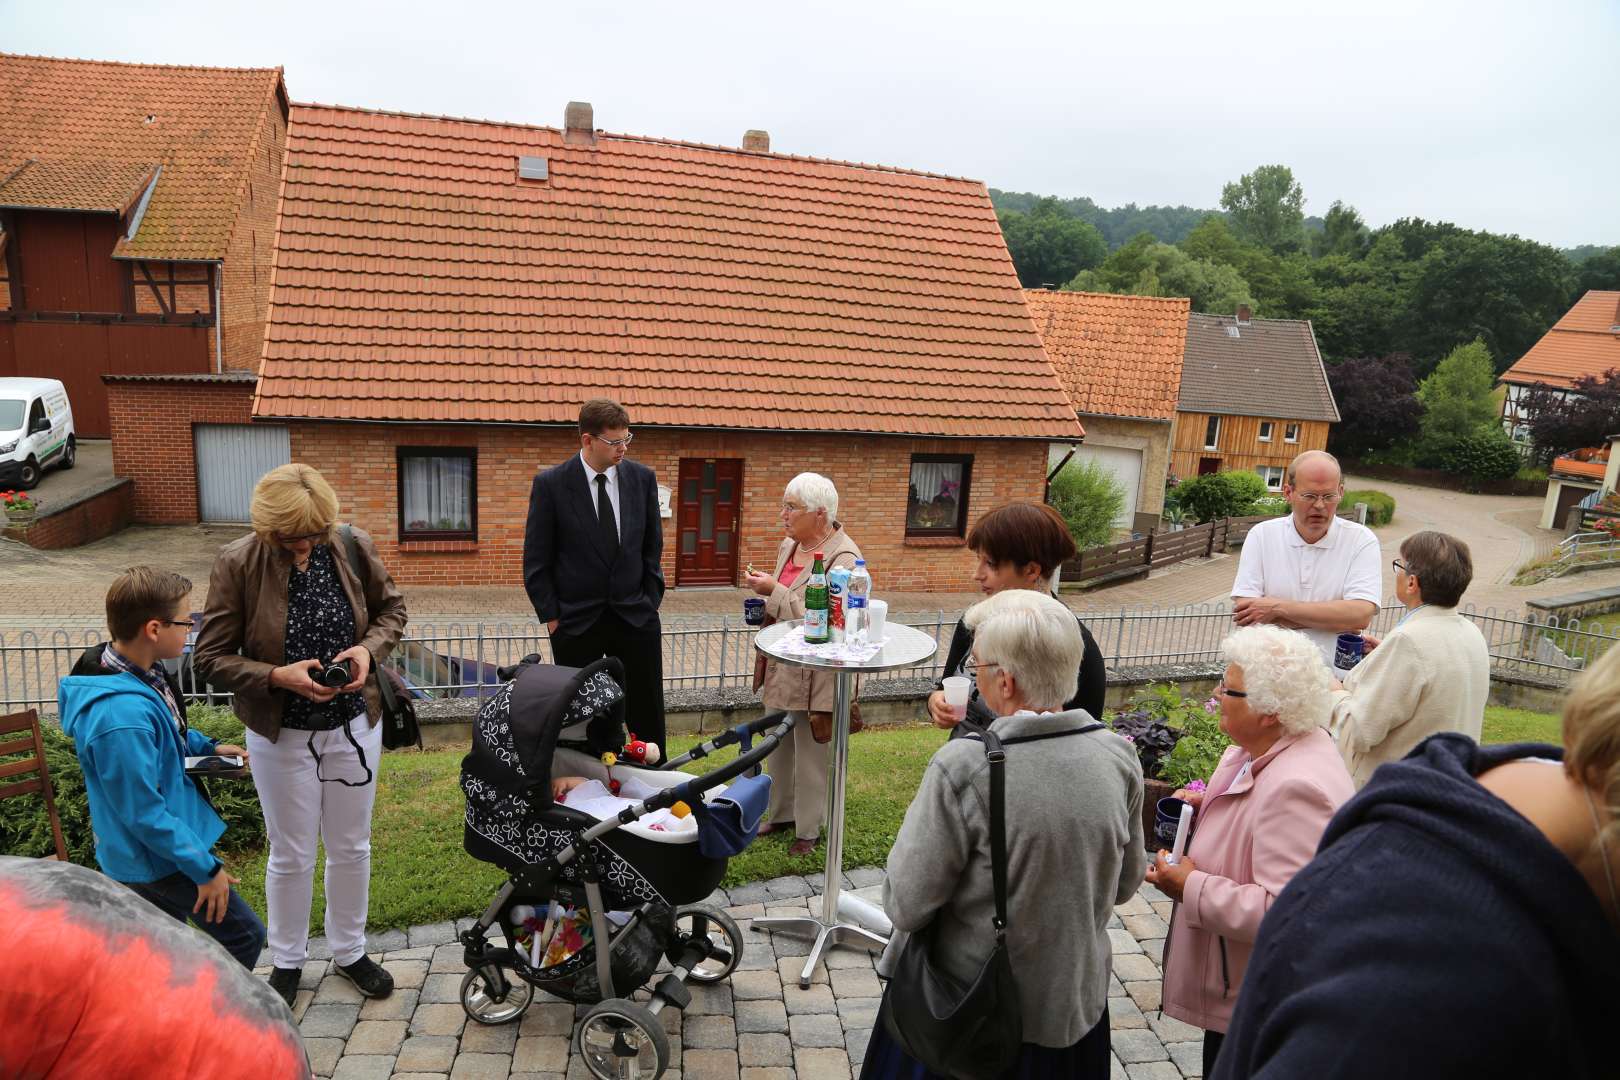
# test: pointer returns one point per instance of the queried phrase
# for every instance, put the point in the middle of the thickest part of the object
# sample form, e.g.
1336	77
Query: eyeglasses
972	664
1319	500
793	508
615	443
298	539
187	623
1400	567
1222	690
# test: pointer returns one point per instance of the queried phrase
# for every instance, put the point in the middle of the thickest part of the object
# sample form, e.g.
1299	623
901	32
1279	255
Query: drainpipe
219	320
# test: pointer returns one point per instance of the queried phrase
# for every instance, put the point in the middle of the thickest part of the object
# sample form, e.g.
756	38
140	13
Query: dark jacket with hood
1436	933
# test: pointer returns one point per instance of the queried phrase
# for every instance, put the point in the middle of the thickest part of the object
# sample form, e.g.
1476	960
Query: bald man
1311	571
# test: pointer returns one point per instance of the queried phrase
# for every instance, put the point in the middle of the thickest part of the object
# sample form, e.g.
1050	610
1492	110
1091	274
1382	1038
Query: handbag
970	1032
399	726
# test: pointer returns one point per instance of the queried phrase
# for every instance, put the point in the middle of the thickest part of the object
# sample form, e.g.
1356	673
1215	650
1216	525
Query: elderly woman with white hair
1073	825
799	767
1258	822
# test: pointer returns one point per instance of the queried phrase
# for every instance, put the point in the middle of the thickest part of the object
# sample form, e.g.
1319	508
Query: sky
1498	116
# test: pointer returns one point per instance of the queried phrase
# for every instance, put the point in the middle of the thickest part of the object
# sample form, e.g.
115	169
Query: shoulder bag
398	721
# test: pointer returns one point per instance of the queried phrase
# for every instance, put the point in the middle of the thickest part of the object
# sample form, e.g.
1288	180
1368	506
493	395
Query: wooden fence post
1147	552
1209	549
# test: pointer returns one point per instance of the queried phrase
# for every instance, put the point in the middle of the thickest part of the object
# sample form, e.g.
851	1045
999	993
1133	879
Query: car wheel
28	475
70	455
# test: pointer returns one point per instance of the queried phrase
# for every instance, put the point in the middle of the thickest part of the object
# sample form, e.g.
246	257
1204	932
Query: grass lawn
420	874
1578	644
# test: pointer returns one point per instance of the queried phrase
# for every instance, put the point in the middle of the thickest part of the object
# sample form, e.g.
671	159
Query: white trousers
298	810
798	771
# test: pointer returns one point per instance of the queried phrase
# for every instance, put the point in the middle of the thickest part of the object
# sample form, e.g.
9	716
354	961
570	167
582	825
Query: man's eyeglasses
615	443
1400	567
1319	500
971	665
1222	690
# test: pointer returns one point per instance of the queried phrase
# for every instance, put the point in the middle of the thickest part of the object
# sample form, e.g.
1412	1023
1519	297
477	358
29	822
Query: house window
1266	427
1212	433
438	493
936	504
1291	433
1272	475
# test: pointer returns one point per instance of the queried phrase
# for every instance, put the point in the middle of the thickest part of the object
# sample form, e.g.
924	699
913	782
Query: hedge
25	829
1380	507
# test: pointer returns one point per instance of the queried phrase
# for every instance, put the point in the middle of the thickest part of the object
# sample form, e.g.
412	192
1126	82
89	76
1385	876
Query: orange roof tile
1116	355
418	278
1569	466
1586	341
87	125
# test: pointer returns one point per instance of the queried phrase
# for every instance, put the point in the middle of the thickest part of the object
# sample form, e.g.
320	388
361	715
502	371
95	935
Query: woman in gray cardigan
1074	844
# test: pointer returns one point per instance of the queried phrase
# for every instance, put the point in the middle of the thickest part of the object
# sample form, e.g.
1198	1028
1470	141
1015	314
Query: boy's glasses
187	623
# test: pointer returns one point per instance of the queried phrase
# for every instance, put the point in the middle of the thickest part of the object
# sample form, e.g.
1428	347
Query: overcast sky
1500	116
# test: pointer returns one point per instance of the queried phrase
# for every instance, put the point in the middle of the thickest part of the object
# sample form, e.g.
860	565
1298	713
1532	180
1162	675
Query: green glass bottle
816	628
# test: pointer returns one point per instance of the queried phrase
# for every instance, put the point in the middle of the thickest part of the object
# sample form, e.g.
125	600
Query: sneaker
370	979
284	981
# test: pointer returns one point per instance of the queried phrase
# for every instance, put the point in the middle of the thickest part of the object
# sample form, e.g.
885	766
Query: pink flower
1196	786
1213	705
1129	738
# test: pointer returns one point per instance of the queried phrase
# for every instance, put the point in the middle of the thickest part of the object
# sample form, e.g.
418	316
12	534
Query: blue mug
1166	819
754	611
1349	651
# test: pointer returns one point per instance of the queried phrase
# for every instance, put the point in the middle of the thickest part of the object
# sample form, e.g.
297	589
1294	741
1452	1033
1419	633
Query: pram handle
726	738
694	788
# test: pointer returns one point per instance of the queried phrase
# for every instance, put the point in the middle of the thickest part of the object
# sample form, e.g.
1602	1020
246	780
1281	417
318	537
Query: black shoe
284	981
371	980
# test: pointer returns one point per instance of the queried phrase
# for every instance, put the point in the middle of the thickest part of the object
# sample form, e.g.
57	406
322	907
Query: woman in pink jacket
1257	823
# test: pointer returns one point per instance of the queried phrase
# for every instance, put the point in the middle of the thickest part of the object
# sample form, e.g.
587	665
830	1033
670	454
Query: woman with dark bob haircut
1019	546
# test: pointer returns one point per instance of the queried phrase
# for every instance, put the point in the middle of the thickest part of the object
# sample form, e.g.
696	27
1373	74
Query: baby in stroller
592	904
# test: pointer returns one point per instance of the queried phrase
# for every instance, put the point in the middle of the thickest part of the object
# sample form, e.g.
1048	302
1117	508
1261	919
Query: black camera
336	675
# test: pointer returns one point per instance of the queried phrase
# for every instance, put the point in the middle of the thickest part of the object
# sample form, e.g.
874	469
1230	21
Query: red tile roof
419	279
1594	470
110	187
1586	341
89	124
1116	355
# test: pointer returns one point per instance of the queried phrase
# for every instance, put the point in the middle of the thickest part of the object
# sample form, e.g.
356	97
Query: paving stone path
757	1025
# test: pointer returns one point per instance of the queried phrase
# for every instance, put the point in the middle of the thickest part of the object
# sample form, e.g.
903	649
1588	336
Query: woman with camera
292	632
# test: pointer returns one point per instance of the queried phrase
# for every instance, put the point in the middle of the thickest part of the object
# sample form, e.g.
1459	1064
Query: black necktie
604	514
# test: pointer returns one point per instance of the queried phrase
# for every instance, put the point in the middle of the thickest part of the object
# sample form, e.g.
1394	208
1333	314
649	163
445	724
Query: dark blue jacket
1436	933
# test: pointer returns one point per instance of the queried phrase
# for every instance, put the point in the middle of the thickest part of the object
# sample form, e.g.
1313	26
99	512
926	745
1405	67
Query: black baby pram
638	886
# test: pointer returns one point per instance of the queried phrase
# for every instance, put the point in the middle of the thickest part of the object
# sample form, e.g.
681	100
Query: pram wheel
490	996
725	941
620	1040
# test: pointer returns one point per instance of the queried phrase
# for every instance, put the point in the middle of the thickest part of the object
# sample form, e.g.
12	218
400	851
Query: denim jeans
240	931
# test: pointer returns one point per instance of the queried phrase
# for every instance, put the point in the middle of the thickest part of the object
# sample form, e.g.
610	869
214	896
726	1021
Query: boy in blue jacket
155	829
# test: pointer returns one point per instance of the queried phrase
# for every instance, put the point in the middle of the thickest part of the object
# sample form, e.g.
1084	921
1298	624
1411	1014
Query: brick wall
245	286
871	473
102	514
152	440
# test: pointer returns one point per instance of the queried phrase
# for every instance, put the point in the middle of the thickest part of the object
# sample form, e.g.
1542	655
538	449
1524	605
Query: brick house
1119	358
137	221
1254	394
447	293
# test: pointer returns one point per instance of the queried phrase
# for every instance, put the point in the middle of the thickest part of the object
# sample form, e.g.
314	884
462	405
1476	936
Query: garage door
1125	465
230	460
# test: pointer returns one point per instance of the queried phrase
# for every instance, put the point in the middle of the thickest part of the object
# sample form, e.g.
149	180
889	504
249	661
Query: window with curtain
438	493
936	504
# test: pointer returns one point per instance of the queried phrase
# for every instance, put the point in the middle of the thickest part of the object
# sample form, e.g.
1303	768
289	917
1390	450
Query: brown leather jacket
789	686
244	631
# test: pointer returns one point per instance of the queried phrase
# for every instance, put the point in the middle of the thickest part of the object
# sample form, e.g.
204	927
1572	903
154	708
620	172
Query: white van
36	430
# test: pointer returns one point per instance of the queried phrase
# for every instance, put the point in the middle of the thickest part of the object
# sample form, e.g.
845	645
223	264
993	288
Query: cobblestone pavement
757	1025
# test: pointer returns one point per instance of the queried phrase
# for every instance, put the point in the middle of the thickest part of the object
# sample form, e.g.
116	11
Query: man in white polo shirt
1310	571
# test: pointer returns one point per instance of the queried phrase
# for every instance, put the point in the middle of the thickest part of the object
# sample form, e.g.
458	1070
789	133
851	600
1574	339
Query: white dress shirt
1345	564
612	475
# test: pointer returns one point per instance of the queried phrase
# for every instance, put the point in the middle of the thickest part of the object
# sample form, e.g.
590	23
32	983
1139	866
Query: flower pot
21	519
1152	792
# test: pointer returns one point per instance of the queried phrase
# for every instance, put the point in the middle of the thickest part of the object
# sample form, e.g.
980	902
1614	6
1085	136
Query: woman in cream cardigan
799	767
1431	673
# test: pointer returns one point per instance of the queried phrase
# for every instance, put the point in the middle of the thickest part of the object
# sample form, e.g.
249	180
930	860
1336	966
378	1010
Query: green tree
1090	499
1049	245
1280	285
1488	454
1218	495
1457	400
1343	233
1601	270
1145	267
1267	208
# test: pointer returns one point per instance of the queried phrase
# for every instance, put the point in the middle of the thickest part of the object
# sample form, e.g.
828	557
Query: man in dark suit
590	562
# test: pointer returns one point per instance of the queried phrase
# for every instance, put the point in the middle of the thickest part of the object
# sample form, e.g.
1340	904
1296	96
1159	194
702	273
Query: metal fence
460	660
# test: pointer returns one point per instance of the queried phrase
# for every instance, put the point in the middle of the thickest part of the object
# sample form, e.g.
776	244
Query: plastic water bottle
857	600
837	582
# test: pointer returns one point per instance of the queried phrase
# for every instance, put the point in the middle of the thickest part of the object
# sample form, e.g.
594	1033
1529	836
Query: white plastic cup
877	614
957	689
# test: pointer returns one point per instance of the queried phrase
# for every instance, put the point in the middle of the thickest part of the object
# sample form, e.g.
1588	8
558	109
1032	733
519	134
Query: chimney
757	140
579	124
1243	315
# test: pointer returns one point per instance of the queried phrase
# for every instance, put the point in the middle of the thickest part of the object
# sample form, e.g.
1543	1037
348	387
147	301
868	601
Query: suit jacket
569	574
1432	673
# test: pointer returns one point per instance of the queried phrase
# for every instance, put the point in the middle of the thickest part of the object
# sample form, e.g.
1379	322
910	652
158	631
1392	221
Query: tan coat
244	632
1431	673
788	686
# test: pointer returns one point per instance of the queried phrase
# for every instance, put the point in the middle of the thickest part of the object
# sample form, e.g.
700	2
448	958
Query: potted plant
1178	741
21	510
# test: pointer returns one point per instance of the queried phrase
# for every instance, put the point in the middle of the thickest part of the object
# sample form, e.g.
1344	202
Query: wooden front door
706	514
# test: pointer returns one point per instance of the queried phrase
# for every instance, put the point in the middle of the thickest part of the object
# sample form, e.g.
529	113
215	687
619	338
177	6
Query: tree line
1390	306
